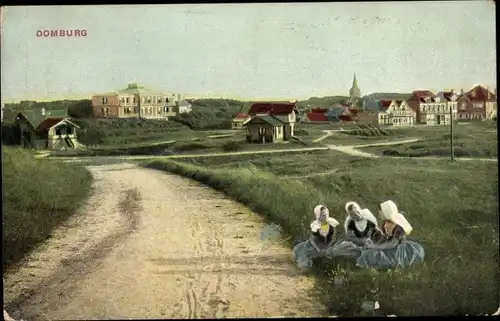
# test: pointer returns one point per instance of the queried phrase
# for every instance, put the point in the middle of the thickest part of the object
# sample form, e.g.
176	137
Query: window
158	100
127	100
133	100
149	100
167	100
104	100
159	110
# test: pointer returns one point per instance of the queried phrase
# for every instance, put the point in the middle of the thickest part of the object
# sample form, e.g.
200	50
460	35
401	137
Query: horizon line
234	97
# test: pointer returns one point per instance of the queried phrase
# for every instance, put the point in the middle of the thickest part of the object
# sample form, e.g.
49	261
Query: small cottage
62	136
43	129
264	129
282	111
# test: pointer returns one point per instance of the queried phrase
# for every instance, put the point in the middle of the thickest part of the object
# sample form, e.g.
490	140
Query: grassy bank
37	196
453	208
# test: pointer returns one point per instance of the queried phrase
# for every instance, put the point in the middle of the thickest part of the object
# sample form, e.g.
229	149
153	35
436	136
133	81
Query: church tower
354	92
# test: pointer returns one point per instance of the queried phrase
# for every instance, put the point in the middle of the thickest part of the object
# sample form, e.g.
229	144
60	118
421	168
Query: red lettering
61	33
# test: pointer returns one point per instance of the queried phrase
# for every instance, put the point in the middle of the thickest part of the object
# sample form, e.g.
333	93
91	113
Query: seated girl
323	231
394	250
359	225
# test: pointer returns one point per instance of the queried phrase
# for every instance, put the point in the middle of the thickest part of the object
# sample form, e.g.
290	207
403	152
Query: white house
396	113
435	111
451	99
184	106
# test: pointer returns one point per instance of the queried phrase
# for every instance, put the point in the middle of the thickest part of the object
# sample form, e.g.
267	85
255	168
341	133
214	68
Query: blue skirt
404	254
304	253
344	248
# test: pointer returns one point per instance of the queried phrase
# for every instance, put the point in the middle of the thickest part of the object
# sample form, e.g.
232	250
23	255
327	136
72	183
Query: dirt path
154	245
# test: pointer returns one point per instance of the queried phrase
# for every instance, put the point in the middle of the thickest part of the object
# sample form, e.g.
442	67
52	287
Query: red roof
319	110
447	95
315	116
49	122
413	105
385	103
241	116
354	110
419	94
275	108
480	93
346	118
422	93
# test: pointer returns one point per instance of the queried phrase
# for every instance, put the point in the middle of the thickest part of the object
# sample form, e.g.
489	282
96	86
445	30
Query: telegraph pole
452	151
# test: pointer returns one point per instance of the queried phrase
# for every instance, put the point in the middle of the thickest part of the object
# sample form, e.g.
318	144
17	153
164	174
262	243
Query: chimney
43	111
461	91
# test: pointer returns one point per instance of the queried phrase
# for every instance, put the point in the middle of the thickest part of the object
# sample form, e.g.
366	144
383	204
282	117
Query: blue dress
404	253
351	247
306	251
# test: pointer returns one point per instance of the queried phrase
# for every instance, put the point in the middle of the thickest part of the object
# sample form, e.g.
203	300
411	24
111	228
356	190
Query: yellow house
136	101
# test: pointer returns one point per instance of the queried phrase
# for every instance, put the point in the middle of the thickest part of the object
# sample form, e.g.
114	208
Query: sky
251	51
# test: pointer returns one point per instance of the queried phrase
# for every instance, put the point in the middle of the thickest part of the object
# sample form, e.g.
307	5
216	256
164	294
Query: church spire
355	82
354	92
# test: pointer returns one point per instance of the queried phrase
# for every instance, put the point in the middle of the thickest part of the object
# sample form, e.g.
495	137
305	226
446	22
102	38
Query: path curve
154	245
354	151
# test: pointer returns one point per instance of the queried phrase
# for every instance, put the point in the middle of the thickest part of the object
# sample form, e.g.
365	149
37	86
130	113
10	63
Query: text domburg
61	33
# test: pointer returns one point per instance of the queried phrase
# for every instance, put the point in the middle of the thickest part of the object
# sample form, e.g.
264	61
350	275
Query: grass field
37	196
453	208
471	140
468	141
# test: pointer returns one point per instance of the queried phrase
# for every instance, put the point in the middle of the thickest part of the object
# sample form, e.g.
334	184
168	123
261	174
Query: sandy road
154	245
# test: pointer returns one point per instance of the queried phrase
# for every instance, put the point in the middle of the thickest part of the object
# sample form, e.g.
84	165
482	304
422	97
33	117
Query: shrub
189	147
11	134
390	152
231	147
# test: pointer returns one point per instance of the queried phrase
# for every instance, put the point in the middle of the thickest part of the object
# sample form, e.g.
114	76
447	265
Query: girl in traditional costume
323	232
395	250
359	226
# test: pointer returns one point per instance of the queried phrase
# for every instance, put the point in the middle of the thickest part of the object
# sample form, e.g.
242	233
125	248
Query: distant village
268	121
421	107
